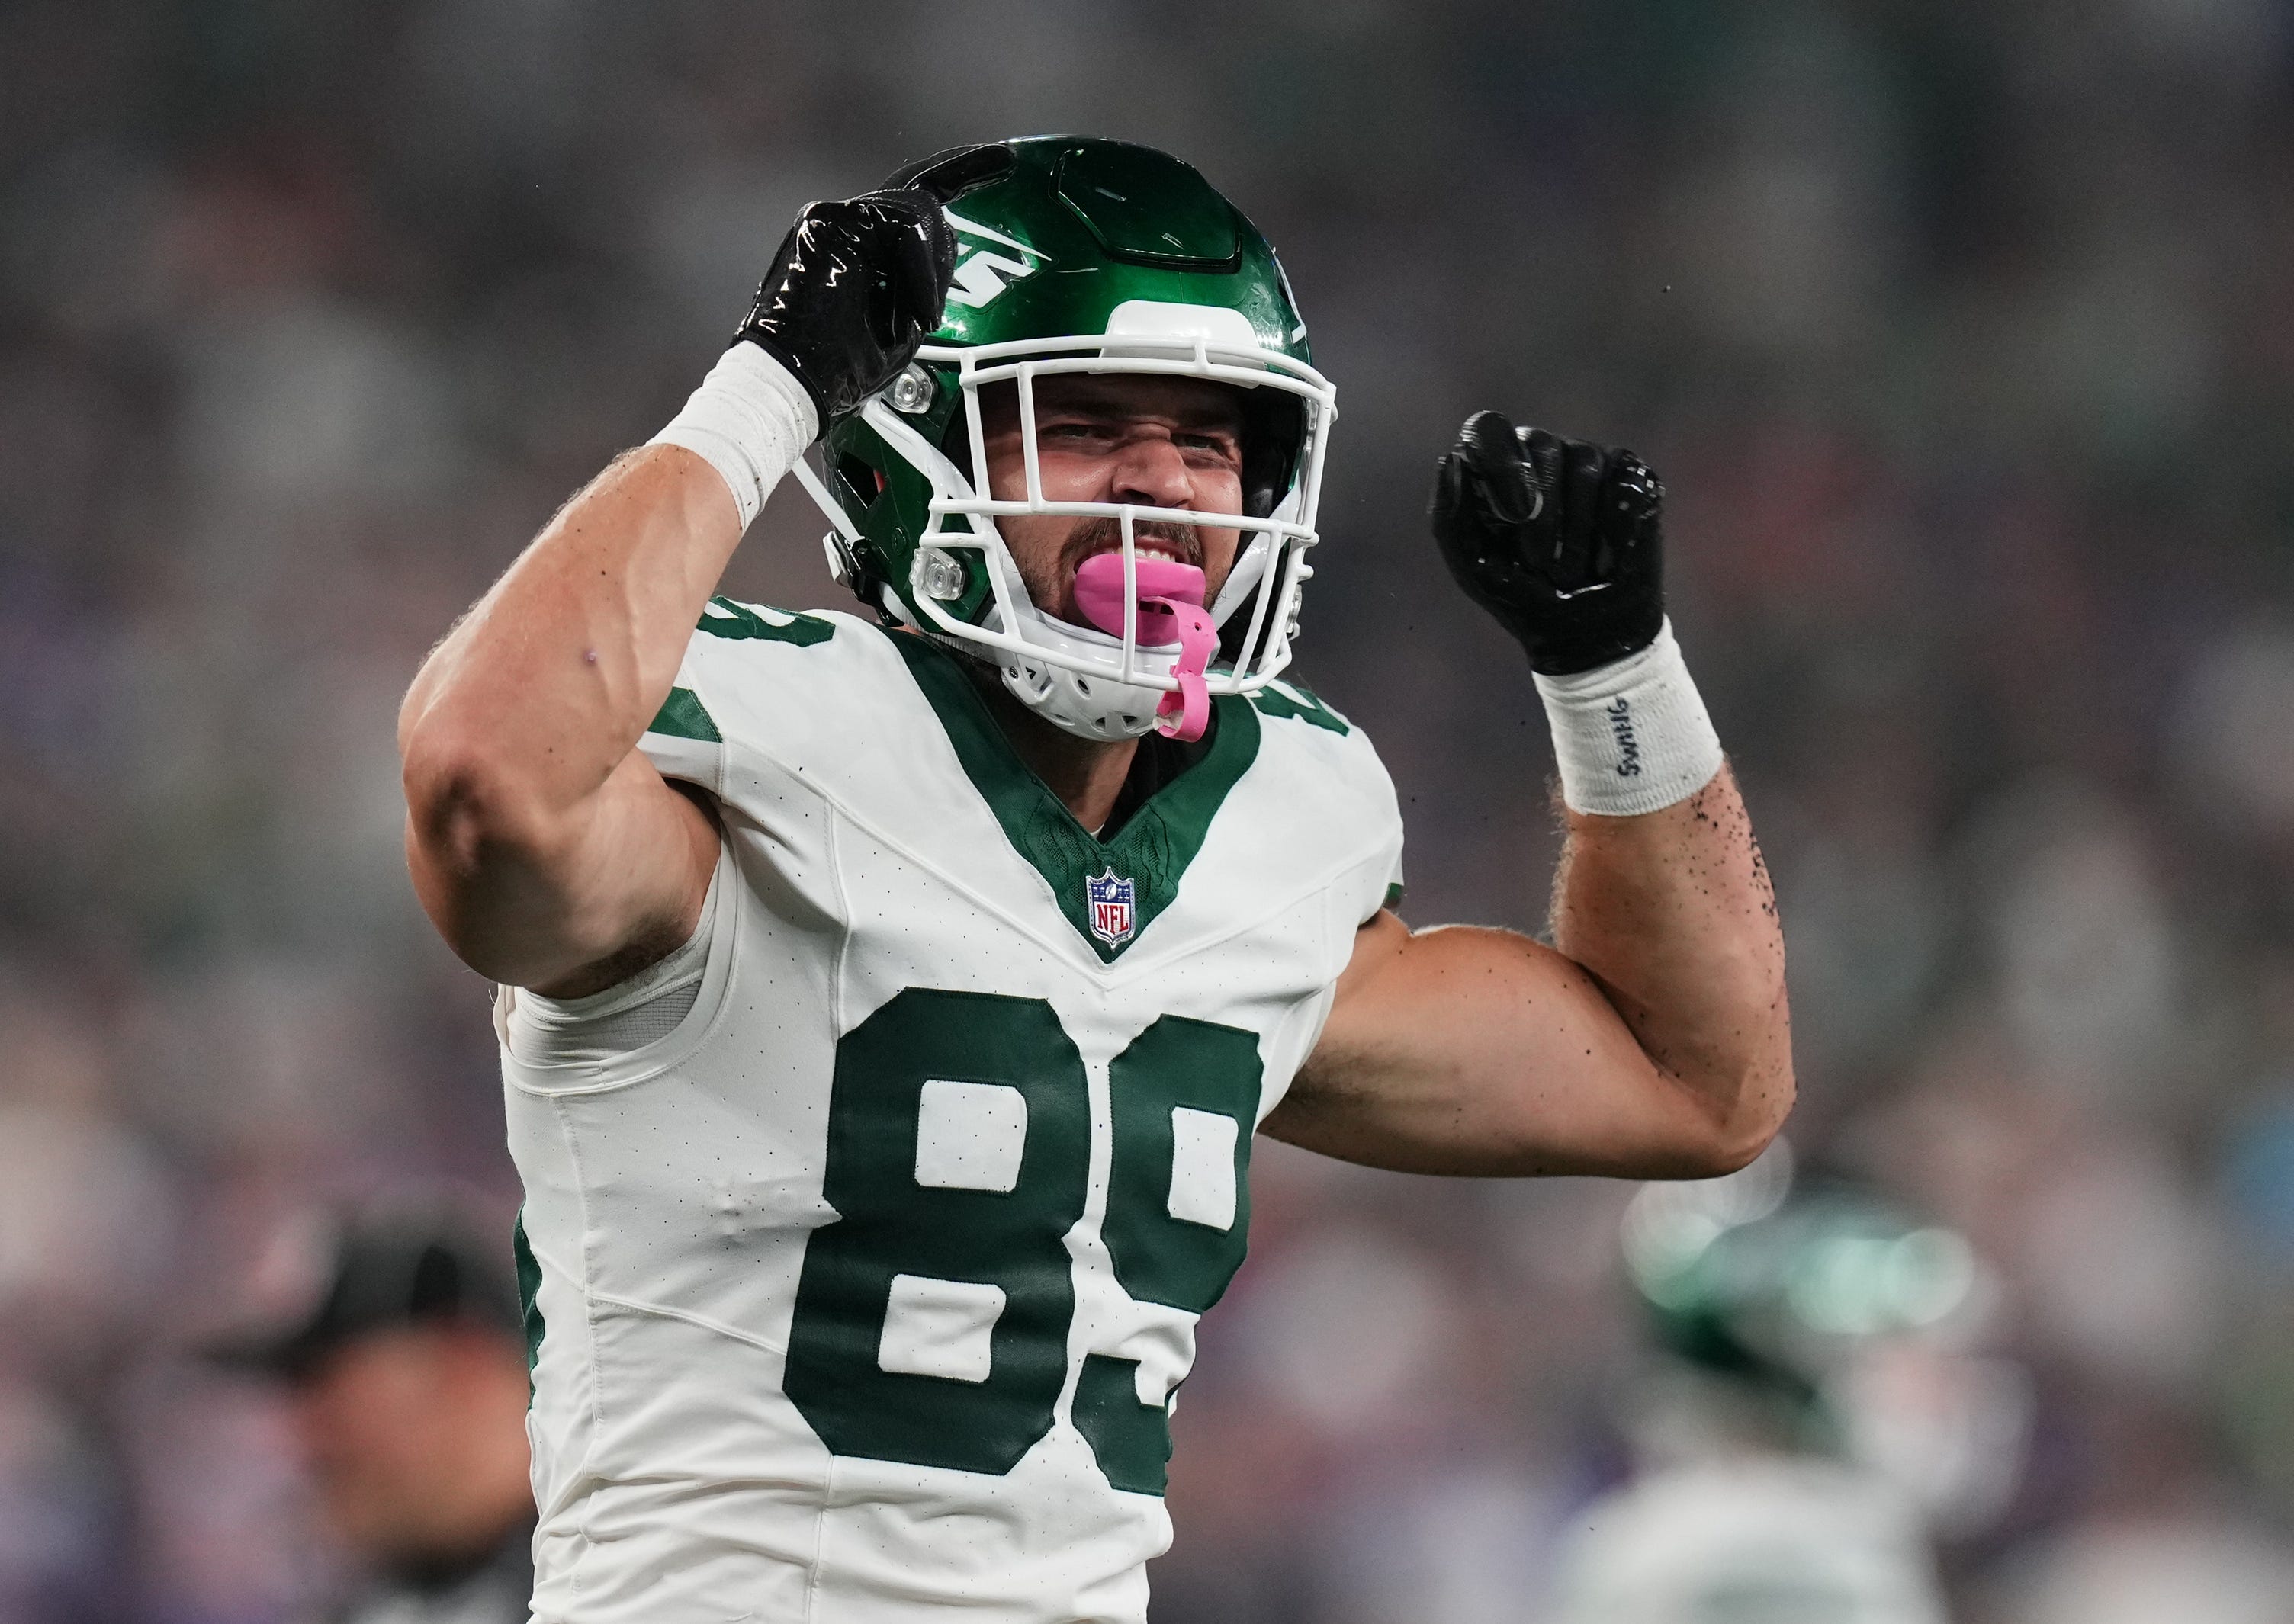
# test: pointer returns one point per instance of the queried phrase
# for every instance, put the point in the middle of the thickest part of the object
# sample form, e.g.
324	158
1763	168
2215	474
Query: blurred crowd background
1963	336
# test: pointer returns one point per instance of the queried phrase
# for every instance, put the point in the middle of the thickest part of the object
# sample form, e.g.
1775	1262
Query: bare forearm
1674	914
551	679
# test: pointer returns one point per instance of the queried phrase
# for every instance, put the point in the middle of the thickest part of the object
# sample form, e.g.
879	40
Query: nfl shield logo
1111	900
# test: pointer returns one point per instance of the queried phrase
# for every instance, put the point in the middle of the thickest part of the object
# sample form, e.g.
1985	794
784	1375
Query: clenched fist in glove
856	286
1559	538
1560	541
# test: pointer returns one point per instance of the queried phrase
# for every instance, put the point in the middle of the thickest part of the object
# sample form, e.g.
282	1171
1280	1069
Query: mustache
1105	535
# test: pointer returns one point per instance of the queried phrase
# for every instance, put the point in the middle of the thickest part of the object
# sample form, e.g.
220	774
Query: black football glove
856	286
1559	538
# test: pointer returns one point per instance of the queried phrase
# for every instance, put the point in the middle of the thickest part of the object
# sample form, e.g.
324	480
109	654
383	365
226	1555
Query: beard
1050	583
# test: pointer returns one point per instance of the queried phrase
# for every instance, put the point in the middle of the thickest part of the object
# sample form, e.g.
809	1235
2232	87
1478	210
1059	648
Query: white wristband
1631	736
750	421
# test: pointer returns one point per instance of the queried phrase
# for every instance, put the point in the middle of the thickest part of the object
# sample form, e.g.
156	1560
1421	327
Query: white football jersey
1758	1540
860	1295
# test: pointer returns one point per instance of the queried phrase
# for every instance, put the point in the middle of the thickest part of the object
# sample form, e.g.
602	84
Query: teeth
1144	551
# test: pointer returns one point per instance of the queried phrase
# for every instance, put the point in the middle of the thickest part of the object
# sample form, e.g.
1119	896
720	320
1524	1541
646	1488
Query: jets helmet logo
1110	899
984	273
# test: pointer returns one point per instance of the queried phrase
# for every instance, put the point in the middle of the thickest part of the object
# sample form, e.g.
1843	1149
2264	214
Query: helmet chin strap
1099	706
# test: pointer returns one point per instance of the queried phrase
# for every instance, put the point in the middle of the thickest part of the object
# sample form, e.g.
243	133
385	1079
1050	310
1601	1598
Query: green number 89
959	1145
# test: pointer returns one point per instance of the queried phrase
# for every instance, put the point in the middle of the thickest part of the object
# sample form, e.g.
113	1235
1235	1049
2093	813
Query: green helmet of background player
1078	255
1852	1327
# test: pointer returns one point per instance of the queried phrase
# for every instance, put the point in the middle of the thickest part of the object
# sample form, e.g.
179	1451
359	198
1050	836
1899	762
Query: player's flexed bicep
1461	1050
549	853
1651	1040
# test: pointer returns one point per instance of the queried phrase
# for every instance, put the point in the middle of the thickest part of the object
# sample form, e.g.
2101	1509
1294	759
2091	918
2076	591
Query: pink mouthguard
1170	611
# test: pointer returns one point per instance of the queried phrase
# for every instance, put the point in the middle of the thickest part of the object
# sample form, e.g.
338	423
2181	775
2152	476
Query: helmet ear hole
860	478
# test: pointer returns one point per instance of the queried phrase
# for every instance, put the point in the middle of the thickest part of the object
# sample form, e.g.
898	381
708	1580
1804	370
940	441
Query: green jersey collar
1110	890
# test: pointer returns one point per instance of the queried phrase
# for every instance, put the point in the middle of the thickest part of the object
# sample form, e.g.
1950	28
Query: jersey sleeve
1385	890
716	682
1352	787
1394	883
683	740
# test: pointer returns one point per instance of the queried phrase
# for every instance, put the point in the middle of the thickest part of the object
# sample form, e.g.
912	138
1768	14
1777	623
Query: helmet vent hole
866	484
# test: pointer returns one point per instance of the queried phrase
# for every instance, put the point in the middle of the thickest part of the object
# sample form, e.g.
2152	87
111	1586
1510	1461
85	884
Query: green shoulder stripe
683	716
1151	852
724	618
1281	699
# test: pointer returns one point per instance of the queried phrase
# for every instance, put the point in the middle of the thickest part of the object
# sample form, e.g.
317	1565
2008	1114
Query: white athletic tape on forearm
749	420
1633	737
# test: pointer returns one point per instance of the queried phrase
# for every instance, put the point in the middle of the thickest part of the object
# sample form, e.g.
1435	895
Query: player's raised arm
1653	1039
546	848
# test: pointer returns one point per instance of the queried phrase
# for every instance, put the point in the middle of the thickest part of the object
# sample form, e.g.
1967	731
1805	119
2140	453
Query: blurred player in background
890	1002
406	1385
1817	1408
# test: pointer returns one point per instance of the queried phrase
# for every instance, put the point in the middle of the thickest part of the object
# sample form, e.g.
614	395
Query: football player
1818	1403
889	1002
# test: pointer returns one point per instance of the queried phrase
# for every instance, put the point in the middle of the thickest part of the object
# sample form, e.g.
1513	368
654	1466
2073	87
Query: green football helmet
1080	255
1857	1326
1748	1276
